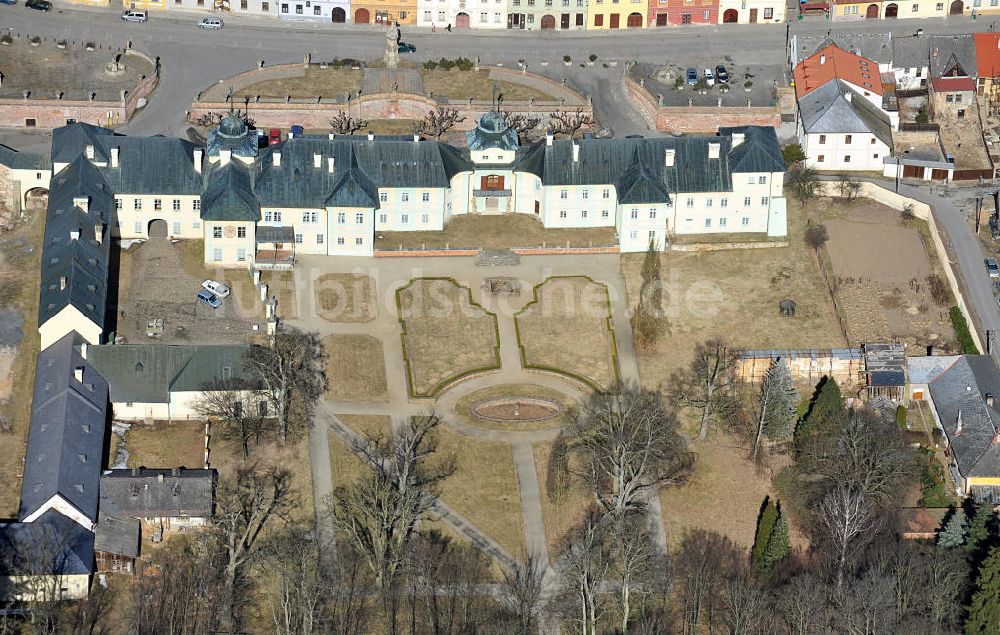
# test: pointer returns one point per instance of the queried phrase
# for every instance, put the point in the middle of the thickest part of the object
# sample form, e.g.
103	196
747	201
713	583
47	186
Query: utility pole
979	208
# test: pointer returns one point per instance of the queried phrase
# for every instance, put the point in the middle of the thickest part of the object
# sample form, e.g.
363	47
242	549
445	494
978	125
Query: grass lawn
446	334
734	294
240	282
464	406
20	261
346	467
566	328
282	285
724	494
559	514
166	444
346	297
477	85
470	231
484	488
328	83
355	368
391	126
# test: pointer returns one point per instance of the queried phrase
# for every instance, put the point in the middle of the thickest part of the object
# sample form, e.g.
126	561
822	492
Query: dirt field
724	495
734	295
470	231
446	335
45	69
328	83
166	444
458	84
355	368
346	297
160	287
567	329
881	267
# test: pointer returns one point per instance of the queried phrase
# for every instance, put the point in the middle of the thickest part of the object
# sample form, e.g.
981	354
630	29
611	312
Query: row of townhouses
488	14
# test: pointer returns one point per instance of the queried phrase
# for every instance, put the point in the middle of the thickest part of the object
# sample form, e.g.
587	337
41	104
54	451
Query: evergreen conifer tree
953	534
980	529
779	391
765	527
777	546
984	612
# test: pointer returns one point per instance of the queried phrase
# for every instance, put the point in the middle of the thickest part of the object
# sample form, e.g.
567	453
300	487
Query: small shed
116	544
885	370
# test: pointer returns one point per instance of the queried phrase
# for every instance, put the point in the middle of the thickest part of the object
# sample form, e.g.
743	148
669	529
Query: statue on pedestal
391	55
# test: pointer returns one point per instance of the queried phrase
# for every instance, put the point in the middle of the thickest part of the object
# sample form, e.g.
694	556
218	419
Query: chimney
330	136
225	156
416	137
114	157
848	97
276	159
83	202
63	281
330	162
958	423
78	374
74	234
668	157
159	477
83	350
317	160
371	136
713	150
576	152
738	138
198	154
548	138
99	233
989	399
90	152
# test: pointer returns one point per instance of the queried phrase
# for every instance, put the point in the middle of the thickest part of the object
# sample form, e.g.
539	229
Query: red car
274	135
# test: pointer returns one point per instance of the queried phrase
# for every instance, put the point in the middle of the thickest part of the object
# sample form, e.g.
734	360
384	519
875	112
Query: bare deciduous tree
439	121
746	605
295	589
707	385
630	446
801	603
702	563
570	122
292	373
521	124
344	123
848	523
584	564
236	407
947	576
633	556
775	415
380	514
521	592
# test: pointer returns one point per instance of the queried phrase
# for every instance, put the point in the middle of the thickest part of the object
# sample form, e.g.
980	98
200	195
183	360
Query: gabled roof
952	56
832	62
637	185
959	396
354	189
151	165
158	493
148	373
70	141
953	84
827	110
66	431
910	51
52	544
118	535
16	160
759	152
228	194
987	54
872	46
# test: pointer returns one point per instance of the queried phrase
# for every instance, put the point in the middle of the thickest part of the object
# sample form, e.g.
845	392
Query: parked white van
135	15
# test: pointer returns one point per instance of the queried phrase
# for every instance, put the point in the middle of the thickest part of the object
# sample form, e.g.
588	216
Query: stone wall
9	193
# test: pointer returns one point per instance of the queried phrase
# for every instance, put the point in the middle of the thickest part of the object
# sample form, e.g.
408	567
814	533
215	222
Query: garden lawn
562	512
473	231
329	83
166	444
458	84
355	368
346	467
346	297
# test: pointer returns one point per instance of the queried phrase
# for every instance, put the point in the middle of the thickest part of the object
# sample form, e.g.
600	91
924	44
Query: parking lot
663	80
157	301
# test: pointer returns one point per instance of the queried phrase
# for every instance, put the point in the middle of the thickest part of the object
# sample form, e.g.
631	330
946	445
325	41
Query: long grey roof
910	51
959	394
168	493
228	194
23	160
52	544
117	534
66	431
152	165
873	46
759	152
148	373
950	51
827	110
924	369
70	141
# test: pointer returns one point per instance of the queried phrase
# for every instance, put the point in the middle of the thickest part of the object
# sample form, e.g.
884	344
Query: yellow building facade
384	12
616	14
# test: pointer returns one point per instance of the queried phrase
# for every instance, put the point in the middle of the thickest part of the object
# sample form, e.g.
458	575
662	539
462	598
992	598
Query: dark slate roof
66	431
275	234
148	373
152	165
354	189
169	493
491	132
386	162
70	141
961	391
910	51
232	134
23	160
637	185
948	52
228	194
759	152
118	535
873	46
82	262
826	109
52	544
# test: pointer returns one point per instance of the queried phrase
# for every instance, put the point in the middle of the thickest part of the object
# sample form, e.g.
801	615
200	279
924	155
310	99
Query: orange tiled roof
833	62
987	54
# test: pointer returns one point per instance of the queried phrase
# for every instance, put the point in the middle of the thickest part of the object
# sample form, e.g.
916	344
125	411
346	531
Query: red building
678	12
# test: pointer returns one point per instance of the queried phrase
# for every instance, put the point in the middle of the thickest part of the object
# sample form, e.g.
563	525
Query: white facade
473	14
844	152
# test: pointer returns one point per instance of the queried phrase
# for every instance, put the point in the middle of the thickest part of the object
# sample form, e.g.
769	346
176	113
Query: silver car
210	23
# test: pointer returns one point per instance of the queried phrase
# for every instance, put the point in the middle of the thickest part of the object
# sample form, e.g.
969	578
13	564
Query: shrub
748	84
567	59
907	212
35	40
901	417
792	153
962	331
922	116
593	57
430	65
465	64
446	64
6	39
940	292
816	235
679	83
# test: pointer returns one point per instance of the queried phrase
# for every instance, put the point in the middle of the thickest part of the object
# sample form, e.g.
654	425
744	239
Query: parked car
135	15
692	76
207	297
992	268
40	5
210	23
10	2
407	48
296	130
709	78
721	74
216	288
274	135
